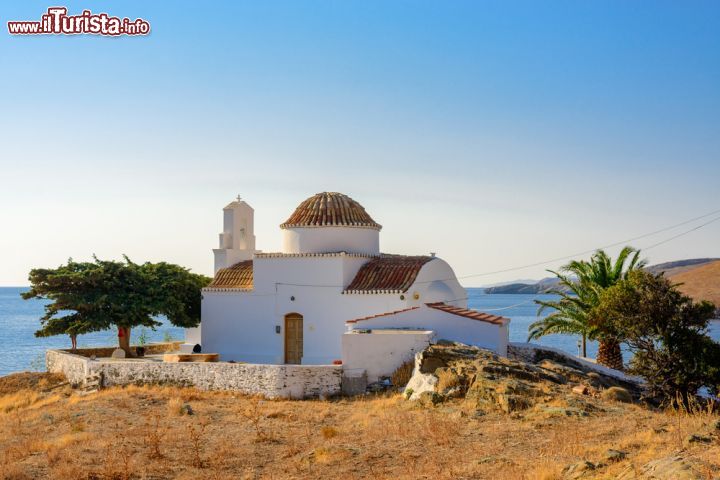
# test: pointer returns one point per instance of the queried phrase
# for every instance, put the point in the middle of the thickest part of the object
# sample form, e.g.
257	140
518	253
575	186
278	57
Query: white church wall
241	327
324	312
436	282
380	352
446	325
312	286
331	239
322	271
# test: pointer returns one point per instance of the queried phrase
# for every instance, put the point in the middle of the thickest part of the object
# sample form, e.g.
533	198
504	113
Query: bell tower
237	240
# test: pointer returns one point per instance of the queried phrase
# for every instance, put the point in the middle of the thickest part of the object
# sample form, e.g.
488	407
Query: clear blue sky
494	133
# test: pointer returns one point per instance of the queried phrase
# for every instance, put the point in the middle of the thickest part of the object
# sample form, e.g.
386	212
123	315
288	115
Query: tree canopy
99	295
667	333
580	285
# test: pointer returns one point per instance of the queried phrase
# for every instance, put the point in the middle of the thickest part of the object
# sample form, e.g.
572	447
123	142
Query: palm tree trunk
610	355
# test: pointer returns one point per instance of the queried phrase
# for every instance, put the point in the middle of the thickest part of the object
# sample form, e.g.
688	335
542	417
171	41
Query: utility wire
682	234
558	259
567	257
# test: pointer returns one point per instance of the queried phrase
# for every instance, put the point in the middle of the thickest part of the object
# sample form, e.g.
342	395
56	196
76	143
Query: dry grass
701	283
138	433
447	379
29	381
401	375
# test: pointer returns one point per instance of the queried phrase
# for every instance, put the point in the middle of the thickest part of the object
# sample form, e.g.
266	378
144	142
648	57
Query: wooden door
293	338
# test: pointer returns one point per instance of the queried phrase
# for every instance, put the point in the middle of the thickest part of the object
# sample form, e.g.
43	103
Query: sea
20	350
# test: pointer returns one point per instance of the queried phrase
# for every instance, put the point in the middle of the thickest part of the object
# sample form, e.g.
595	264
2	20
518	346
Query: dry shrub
254	414
225	455
153	437
118	460
617	394
196	437
401	376
328	432
691	417
177	407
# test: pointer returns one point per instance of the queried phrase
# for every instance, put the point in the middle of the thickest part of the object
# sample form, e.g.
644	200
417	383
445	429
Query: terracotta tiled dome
329	209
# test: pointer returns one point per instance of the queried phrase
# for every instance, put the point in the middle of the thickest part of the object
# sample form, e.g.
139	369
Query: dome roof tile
330	209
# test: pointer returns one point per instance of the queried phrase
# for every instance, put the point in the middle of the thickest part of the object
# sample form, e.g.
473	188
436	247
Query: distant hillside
541	286
680	266
701	282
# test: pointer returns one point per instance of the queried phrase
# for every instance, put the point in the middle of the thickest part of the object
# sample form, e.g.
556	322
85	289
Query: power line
566	257
682	234
510	306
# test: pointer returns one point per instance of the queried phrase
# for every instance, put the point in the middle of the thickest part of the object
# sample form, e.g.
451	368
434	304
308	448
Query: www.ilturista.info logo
57	22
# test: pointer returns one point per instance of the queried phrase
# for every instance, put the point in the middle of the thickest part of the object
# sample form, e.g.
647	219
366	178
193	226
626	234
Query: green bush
667	333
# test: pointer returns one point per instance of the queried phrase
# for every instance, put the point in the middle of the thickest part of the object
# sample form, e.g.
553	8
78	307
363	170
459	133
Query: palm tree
579	289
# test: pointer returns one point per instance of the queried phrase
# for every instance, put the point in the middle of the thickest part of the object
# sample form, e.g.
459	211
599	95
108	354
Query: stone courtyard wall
150	349
272	381
74	367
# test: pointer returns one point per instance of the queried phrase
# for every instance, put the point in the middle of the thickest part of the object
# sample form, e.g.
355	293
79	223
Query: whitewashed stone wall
74	367
272	381
380	352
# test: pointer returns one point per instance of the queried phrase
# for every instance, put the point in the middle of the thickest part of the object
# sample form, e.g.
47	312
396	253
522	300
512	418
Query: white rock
118	353
420	382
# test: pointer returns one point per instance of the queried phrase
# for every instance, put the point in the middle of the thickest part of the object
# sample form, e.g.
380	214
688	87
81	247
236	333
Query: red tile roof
381	315
239	275
467	313
387	274
329	209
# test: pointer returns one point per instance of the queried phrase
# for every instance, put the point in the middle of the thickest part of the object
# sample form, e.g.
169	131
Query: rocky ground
473	415
528	387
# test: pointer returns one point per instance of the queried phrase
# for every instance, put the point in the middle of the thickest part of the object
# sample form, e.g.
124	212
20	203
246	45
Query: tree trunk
73	341
124	340
610	355
584	346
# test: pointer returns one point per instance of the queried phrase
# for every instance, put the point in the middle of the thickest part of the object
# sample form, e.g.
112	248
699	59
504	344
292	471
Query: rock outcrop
549	385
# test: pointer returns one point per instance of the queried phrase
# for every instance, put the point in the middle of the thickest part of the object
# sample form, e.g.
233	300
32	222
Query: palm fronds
580	285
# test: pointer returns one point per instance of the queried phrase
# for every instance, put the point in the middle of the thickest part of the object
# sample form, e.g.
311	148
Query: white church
330	280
